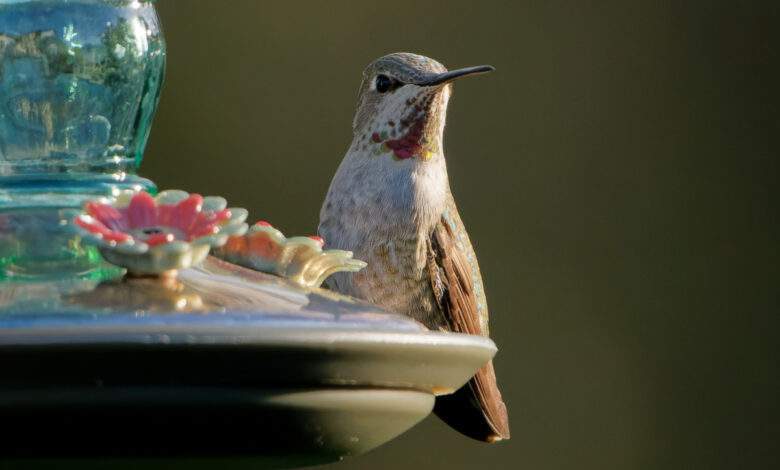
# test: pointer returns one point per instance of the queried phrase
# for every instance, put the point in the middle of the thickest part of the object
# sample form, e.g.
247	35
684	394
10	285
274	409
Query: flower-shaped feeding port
300	259
159	235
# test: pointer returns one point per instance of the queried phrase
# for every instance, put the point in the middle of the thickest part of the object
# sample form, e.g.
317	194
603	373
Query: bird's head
403	104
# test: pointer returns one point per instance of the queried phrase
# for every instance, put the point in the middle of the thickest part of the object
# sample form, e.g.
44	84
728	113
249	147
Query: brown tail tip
459	412
476	410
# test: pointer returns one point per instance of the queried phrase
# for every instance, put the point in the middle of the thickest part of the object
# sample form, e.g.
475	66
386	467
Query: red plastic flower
300	259
169	231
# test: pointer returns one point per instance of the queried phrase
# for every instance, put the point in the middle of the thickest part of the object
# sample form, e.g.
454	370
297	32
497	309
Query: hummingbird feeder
115	319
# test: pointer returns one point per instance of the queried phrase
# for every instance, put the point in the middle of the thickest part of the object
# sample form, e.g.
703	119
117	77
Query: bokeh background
617	174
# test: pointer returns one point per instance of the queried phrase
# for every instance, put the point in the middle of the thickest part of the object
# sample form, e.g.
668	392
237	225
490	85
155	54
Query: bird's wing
477	409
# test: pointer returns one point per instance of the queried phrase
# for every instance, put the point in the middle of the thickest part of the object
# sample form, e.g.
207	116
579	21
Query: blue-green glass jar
79	85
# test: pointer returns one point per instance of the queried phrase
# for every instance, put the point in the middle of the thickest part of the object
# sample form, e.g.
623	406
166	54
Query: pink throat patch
408	145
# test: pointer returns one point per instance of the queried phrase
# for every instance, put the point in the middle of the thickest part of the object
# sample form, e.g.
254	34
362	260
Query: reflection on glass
140	295
79	84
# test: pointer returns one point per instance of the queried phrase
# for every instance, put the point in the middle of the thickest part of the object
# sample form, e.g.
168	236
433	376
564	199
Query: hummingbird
390	203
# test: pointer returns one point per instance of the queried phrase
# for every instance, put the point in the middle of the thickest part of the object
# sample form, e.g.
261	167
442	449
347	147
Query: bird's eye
383	83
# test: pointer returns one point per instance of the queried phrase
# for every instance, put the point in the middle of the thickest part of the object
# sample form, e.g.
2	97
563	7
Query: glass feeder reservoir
79	84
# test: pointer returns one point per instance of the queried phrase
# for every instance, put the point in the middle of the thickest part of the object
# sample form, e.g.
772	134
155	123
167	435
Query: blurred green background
616	173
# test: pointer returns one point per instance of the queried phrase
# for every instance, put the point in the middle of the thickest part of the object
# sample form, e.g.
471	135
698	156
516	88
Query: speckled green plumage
451	217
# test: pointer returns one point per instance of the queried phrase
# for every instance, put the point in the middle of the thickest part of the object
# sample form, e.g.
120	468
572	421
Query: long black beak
446	77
